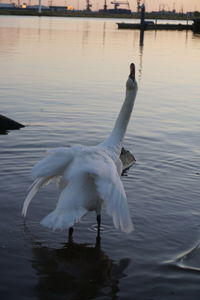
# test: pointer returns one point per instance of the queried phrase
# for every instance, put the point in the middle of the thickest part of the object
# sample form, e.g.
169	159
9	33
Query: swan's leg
98	226
71	230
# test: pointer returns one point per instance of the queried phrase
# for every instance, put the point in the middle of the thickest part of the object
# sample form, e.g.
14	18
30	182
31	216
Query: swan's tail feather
34	188
57	220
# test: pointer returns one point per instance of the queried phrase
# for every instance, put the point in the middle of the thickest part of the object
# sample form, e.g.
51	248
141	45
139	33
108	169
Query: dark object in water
127	159
150	25
8	124
196	25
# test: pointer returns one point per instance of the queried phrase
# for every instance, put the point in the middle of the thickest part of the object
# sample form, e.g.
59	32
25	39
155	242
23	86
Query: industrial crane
105	5
138	5
88	5
118	3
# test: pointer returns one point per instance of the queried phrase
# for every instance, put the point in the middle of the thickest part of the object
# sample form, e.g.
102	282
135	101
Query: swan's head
130	84
132	69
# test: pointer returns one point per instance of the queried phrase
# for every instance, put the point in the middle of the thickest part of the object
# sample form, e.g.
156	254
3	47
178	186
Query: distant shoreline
86	14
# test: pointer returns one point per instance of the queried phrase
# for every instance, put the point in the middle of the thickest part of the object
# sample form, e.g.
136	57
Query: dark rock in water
8	124
127	159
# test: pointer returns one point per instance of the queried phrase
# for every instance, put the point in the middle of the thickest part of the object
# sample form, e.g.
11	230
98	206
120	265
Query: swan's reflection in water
76	271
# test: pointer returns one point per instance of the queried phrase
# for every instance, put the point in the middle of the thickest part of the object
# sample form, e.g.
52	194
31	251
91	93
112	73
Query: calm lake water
65	79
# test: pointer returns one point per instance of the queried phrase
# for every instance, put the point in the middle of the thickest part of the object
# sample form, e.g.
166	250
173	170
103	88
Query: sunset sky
188	5
151	5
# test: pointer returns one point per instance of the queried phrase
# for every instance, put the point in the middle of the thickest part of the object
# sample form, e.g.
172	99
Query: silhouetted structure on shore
8	124
196	26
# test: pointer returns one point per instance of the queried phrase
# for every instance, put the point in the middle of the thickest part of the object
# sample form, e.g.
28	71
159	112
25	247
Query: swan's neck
116	137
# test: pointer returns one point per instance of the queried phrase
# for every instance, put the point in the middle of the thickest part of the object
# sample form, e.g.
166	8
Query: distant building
7	5
37	7
116	11
61	8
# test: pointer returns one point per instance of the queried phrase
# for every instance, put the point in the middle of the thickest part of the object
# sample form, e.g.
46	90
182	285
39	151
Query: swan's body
88	176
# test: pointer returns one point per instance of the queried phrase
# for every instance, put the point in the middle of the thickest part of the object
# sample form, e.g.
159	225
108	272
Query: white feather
88	176
54	164
111	190
37	184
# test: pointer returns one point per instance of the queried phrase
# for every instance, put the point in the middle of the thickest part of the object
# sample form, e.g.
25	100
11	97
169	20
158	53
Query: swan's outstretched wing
47	169
54	164
37	184
91	175
110	188
112	192
71	206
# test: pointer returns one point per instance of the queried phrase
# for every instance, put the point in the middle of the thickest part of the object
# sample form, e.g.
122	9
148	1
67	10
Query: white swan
88	176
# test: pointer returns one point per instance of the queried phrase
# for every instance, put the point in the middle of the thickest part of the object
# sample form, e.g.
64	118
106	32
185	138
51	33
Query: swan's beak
132	71
132	68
